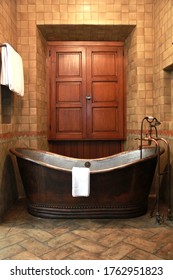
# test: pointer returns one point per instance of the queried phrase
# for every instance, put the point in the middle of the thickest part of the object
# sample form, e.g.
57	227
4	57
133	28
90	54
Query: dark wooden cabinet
86	90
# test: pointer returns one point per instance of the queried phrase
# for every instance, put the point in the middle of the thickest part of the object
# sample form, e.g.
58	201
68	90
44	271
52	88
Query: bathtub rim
47	165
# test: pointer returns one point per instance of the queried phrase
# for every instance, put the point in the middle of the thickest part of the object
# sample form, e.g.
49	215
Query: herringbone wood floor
23	237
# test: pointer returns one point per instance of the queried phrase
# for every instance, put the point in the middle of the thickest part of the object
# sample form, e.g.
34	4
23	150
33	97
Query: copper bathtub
119	184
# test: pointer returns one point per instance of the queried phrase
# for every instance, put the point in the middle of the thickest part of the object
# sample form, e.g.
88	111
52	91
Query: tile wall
163	73
8	33
149	50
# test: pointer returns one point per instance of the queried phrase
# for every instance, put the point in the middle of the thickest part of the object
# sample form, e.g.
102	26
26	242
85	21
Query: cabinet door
86	92
105	96
66	97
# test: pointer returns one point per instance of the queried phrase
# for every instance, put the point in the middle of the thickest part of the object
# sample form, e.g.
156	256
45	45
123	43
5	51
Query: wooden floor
25	237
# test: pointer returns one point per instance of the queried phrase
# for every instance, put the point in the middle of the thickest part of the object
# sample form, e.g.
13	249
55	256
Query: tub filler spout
154	138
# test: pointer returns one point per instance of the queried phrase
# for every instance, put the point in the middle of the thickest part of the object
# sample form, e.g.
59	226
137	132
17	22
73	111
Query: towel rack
1	46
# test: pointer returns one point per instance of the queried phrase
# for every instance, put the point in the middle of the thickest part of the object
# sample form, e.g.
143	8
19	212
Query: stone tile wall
163	75
8	33
149	88
163	62
139	46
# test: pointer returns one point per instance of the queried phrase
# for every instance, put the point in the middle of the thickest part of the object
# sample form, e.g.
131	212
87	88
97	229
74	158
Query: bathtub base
120	212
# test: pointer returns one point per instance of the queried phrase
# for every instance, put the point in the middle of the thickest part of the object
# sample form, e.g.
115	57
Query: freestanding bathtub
119	184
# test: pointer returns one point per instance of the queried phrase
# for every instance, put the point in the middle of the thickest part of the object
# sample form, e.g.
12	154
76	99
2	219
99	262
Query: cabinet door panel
68	64
103	63
67	101
104	91
100	120
105	110
68	92
69	120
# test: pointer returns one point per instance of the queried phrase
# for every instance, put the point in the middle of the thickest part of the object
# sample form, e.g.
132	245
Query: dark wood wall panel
85	149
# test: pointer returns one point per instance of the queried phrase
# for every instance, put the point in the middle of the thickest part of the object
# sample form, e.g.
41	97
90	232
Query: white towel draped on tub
12	70
80	181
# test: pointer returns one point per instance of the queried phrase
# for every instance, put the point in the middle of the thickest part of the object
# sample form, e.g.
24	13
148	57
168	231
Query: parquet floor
25	237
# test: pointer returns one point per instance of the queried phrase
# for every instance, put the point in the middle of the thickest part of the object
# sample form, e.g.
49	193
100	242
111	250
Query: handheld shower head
150	119
153	121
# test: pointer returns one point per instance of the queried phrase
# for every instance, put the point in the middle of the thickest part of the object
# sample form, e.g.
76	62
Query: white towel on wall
12	70
80	181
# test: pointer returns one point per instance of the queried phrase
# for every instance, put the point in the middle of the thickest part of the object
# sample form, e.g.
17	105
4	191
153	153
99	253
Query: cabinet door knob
88	97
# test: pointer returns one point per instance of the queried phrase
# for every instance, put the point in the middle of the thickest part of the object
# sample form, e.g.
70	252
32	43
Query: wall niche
6	105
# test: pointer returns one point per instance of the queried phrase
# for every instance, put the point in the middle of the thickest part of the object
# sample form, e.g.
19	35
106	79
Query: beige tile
5	242
88	234
85	255
4	231
166	252
138	254
89	246
40	235
10	251
141	243
118	251
25	256
35	247
112	239
64	252
63	239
